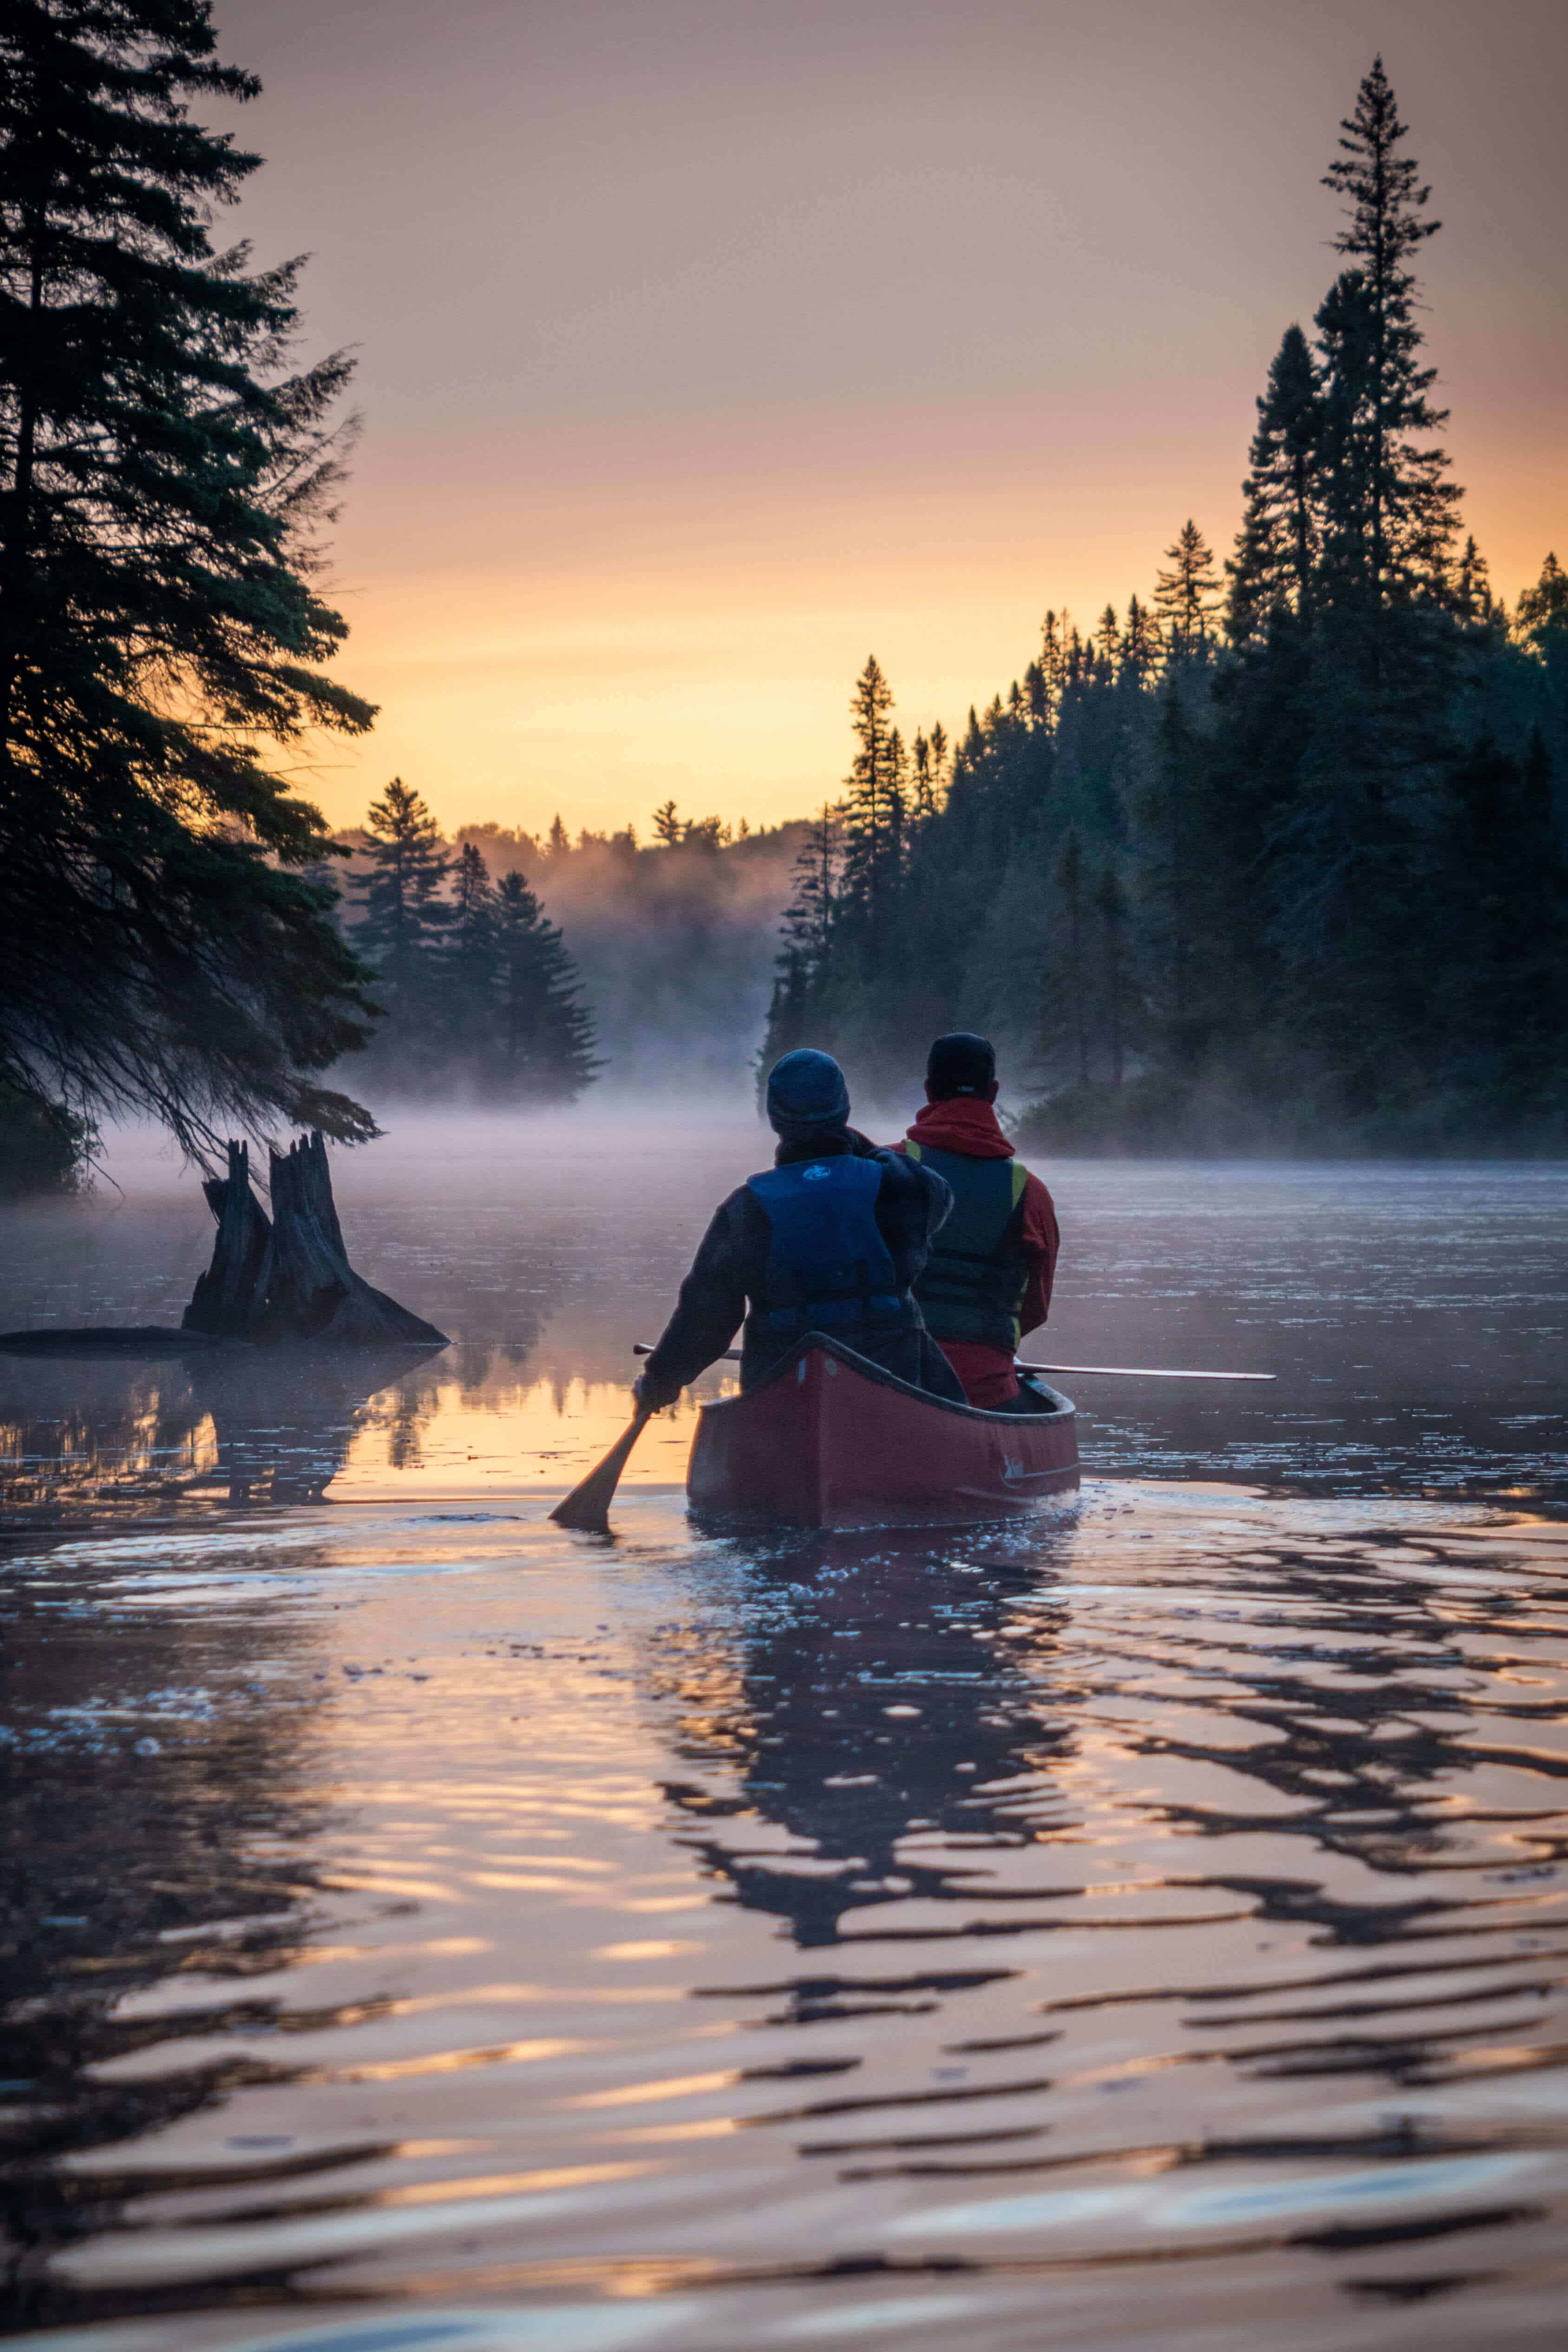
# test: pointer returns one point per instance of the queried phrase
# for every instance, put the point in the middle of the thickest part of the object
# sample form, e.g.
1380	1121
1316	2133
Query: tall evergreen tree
1390	532
873	816
163	478
1142	645
1188	594
469	976
404	920
546	1033
798	1010
1277	546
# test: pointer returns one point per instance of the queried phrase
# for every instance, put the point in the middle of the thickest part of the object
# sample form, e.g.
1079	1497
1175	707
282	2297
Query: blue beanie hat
806	1089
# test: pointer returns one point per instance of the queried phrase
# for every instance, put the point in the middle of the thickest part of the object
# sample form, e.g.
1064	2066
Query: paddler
832	1238
988	1277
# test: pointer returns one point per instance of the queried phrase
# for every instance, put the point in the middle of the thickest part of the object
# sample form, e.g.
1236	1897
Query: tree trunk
314	1293
227	1300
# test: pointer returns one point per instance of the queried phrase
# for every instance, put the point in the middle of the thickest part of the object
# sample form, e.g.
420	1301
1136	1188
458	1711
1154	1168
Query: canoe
831	1441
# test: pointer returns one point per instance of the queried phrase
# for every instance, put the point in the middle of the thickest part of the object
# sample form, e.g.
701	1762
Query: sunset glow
703	350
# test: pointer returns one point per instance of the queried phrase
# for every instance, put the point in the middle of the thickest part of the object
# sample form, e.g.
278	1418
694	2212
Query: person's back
832	1238
988	1277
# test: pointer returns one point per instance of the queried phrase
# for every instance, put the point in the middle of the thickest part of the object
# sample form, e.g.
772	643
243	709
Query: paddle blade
587	1506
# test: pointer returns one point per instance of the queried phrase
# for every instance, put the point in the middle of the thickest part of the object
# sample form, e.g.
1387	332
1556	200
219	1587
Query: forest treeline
517	967
1274	857
1270	858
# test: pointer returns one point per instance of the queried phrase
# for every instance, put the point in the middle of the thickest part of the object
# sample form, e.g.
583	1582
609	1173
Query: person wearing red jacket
988	1278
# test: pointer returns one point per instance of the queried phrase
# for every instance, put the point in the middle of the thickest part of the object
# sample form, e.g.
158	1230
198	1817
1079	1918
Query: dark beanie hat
961	1064
806	1089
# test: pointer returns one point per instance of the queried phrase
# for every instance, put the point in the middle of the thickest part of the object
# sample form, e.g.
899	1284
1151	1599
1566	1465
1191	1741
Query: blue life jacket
828	1267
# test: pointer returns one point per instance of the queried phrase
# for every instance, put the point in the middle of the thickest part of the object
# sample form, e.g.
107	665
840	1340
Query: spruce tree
405	922
546	1042
1142	645
1394	518
873	811
1473	585
1277	546
163	478
1188	594
798	1011
469	976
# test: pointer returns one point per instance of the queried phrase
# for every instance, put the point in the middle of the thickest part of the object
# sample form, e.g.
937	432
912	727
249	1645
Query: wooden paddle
1096	1371
587	1506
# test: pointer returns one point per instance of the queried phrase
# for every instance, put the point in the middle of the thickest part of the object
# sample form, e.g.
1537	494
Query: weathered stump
313	1293
227	1301
289	1277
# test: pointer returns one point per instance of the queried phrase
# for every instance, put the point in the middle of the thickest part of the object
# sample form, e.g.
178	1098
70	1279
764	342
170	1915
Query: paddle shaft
1094	1371
587	1506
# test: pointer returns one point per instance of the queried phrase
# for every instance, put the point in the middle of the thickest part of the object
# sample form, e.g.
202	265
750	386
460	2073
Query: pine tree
469	976
404	920
1473	585
1276	548
1392	522
803	970
1187	593
1143	646
545	1033
163	478
1053	659
924	786
667	826
873	811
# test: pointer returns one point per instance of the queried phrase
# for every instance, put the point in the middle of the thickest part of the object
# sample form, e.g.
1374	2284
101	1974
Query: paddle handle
1091	1371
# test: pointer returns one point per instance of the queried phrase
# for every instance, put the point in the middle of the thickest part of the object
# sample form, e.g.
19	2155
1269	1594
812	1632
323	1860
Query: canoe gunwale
880	1377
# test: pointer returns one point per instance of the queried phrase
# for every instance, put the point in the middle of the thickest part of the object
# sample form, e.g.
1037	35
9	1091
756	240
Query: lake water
1149	1922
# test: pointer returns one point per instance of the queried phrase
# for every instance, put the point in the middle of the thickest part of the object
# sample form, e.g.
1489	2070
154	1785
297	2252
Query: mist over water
1148	1919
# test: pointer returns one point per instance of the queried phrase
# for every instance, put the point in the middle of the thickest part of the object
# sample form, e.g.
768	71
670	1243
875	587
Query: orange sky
708	345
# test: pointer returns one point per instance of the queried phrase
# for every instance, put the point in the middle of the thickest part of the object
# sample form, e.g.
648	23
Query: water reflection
888	1713
249	1427
241	1428
1178	1886
197	1869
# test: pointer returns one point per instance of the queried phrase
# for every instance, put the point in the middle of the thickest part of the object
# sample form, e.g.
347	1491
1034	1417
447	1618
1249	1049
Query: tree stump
313	1293
227	1300
290	1277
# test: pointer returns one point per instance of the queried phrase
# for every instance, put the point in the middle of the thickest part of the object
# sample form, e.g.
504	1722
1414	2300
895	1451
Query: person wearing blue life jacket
832	1238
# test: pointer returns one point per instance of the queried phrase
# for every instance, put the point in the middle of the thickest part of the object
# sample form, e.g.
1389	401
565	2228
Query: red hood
962	1124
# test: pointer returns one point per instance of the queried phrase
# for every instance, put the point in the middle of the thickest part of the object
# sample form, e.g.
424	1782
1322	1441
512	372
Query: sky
707	346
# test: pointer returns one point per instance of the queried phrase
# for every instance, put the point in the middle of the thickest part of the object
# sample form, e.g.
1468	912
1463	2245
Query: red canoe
831	1441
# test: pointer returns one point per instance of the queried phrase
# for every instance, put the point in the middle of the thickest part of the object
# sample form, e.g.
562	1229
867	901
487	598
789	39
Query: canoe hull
830	1441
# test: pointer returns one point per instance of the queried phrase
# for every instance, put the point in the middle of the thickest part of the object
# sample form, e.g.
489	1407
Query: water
1146	1923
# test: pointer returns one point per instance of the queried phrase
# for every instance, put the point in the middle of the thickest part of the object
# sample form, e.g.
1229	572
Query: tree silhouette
164	475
